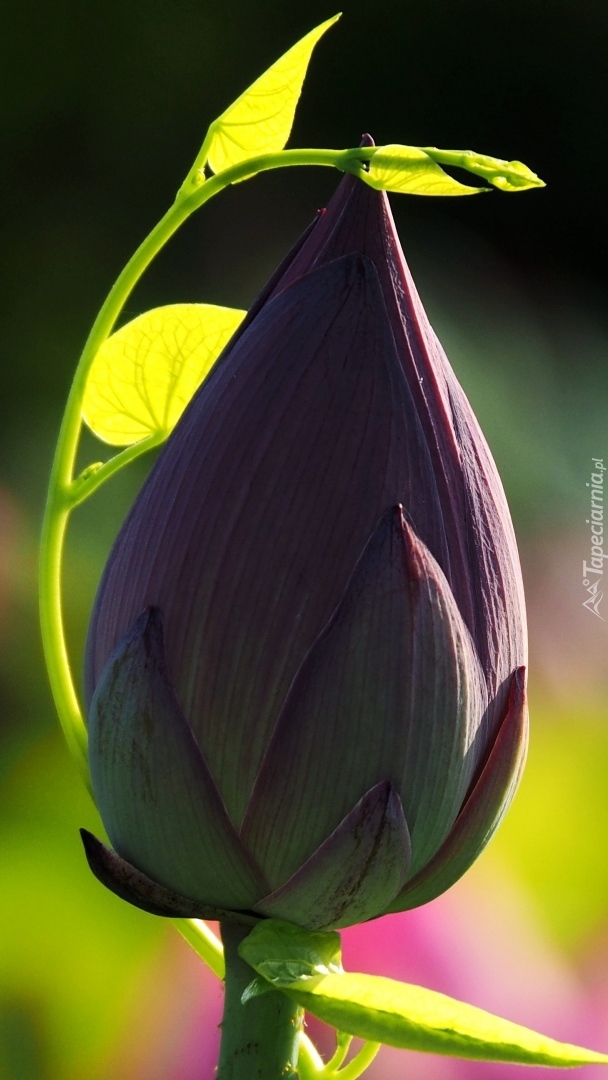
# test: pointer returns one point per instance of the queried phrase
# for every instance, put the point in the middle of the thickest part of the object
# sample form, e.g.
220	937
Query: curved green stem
310	1062
65	492
360	1062
343	1041
204	942
345	160
61	500
96	475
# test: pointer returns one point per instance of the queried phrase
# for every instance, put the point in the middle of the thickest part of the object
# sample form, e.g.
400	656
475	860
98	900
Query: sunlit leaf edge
262	130
359	1005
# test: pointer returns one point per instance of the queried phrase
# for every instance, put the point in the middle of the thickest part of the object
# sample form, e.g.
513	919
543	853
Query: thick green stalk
62	491
260	1040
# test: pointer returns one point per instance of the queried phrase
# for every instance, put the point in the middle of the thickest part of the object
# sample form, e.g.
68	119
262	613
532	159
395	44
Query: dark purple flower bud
304	666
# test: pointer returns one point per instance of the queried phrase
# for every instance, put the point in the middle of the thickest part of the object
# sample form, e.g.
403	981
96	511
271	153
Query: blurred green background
103	109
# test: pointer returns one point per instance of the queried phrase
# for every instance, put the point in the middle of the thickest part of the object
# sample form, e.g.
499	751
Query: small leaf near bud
286	954
410	170
145	374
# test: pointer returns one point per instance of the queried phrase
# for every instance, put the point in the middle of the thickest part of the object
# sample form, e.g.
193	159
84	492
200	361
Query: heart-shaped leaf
145	374
260	120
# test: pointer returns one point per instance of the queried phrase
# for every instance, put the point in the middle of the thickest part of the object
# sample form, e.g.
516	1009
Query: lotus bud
305	663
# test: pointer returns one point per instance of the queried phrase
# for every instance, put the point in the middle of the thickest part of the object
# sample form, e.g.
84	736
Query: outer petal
355	873
248	528
483	810
476	547
390	691
125	881
153	789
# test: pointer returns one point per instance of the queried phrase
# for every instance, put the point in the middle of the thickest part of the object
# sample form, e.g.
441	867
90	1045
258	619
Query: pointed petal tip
354	873
157	798
506	755
392	520
130	884
152	619
150	626
147	634
518	688
420	562
136	888
395	526
396	523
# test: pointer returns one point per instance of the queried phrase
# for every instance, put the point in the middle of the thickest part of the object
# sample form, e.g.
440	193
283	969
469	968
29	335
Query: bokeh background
104	106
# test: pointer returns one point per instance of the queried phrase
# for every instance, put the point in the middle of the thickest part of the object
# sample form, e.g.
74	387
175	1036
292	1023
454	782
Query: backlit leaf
410	1017
146	373
385	1011
410	170
506	175
260	120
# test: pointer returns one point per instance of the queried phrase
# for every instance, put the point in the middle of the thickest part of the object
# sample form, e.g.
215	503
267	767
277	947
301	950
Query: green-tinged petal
145	374
483	809
413	1018
260	120
390	691
127	882
355	873
154	792
410	170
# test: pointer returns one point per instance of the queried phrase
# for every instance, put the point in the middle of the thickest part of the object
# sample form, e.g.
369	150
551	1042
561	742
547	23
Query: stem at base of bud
262	1037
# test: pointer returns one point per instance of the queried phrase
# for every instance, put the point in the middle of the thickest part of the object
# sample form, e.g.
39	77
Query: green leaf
410	170
260	120
256	988
285	954
506	175
412	1018
145	374
417	171
307	966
